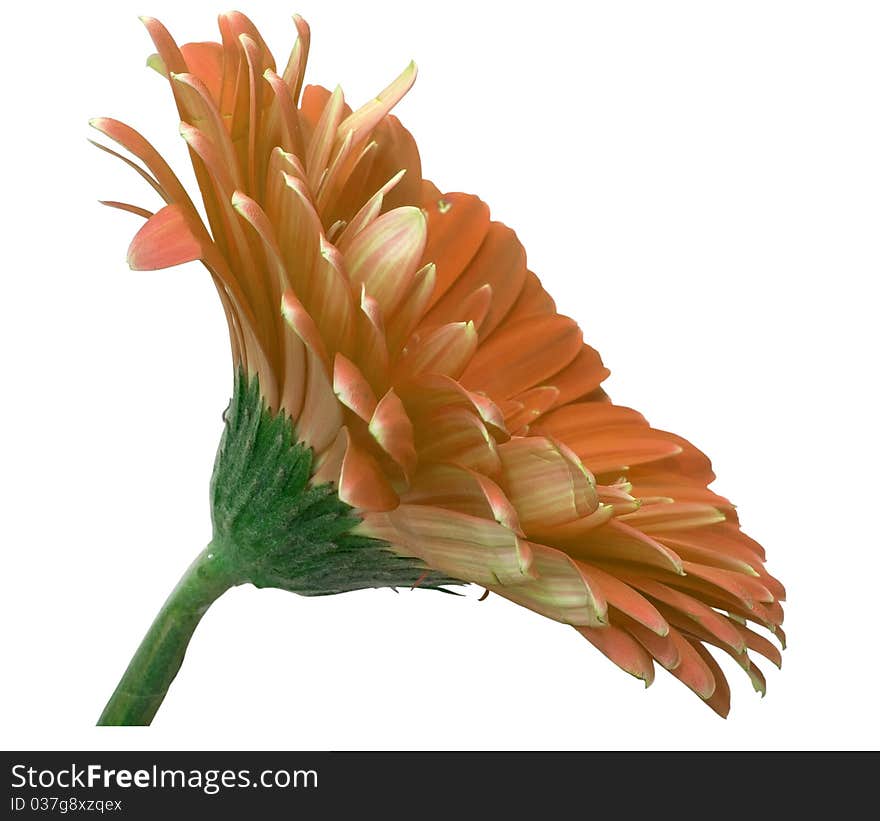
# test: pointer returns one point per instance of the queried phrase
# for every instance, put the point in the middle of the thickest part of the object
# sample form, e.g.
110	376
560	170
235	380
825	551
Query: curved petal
522	356
560	590
463	546
164	240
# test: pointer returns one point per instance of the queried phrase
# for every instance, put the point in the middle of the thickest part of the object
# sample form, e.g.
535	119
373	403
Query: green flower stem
145	682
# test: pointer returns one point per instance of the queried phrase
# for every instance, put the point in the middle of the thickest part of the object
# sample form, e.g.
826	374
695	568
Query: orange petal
362	483
718	540
719	701
367	214
456	434
560	590
571	535
622	649
352	388
581	376
432	393
205	61
542	485
321	417
690	463
165	239
328	466
532	403
583	418
445	350
476	305
368	116
393	430
201	112
293	385
759	644
517	358
251	212
746	588
395	150
624	598
693	670
323	136
292	138
411	308
690	609
499	263
457	225
296	63
457	488
661	648
371	351
677	491
169	186
300	230
169	52
696	633
677	515
298	318
330	299
533	301
623	543
489	412
384	256
126	206
607	437
465	547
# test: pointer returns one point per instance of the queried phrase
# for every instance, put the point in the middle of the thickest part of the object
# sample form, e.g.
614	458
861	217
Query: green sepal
274	529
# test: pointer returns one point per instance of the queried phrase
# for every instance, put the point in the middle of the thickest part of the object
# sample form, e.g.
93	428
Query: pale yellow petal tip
525	558
155	62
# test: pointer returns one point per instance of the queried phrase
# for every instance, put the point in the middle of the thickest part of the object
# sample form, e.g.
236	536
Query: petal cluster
423	362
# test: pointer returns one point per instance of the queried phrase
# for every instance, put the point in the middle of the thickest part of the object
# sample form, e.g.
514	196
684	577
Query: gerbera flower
410	408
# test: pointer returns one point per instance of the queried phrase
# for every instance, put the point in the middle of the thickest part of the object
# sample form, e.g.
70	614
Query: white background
698	184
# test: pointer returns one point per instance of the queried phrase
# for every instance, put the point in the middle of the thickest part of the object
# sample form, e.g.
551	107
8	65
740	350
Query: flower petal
624	598
457	227
517	358
499	263
393	431
385	255
352	388
581	376
463	546
445	350
622	649
560	590
362	484
542	485
692	669
620	542
458	488
164	240
368	116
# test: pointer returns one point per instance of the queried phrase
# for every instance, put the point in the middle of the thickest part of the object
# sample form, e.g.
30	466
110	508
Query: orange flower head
441	394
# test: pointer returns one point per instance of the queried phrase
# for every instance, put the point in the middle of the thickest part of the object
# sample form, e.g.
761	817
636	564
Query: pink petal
165	239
